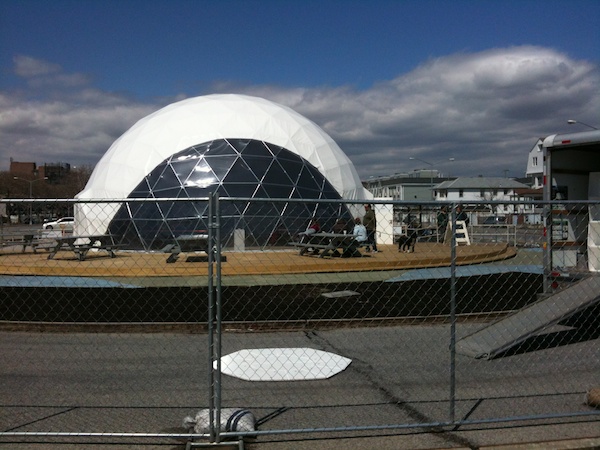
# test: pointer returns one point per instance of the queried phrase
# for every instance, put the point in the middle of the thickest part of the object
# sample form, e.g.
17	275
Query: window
461	193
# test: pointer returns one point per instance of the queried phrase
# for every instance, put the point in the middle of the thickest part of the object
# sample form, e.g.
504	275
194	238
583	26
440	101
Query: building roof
481	183
390	181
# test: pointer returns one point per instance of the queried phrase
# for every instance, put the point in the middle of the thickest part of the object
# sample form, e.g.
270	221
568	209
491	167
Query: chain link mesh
496	320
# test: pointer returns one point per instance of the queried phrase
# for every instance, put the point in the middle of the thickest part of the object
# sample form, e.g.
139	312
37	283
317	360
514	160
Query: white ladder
462	234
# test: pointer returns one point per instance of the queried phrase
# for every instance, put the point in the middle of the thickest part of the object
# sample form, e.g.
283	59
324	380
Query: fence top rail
559	204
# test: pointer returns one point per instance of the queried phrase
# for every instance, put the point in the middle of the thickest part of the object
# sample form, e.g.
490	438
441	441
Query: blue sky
475	80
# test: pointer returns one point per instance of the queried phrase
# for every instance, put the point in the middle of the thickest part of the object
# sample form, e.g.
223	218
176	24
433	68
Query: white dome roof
202	119
198	120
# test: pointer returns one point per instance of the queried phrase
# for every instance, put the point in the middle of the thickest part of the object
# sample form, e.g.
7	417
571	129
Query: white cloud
485	109
42	74
26	67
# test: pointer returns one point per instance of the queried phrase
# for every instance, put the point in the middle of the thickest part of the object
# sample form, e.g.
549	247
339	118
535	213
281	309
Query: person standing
370	223
442	223
461	215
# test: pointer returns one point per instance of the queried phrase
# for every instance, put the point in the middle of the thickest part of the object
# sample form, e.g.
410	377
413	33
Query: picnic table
328	244
19	239
81	245
187	243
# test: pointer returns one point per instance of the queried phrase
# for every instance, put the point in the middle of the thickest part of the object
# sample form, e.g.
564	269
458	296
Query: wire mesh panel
396	314
435	318
96	337
541	355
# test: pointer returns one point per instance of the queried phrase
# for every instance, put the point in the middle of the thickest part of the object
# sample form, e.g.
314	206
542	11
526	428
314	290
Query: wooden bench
328	244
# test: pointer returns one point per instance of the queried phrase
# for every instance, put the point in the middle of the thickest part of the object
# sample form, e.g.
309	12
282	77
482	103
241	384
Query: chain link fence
155	330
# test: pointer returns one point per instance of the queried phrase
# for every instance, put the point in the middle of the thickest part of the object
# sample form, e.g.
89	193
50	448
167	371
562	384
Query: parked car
64	223
495	220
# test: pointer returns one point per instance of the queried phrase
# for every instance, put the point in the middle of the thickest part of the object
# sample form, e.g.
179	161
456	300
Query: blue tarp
465	271
54	281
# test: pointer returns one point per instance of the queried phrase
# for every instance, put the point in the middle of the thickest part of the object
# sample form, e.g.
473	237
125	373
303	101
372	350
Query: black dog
406	243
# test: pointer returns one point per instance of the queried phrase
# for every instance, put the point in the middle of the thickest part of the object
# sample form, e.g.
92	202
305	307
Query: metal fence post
214	317
210	323
215	252
453	315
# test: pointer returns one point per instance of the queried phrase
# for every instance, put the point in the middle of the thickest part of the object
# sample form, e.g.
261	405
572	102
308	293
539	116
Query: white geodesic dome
202	119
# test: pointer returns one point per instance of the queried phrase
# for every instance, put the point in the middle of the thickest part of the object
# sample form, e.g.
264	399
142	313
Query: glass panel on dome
238	144
262	211
197	192
283	153
187	226
329	191
182	210
277	190
220	165
201	165
201	180
239	190
258	165
256	148
240	173
261	193
167	177
219	147
167	192
231	210
163	208
304	192
184	168
147	210
141	190
146	230
151	179
307	181
215	167
276	175
161	237
291	168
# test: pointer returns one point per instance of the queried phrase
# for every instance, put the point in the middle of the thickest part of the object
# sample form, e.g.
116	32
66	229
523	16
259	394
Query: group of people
364	229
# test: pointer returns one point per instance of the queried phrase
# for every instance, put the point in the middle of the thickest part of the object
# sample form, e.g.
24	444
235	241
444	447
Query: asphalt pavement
395	393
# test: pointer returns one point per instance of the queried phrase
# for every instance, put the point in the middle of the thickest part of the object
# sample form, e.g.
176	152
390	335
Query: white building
413	186
478	189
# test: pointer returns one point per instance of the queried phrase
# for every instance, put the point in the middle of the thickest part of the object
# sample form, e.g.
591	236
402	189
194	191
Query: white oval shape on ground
282	364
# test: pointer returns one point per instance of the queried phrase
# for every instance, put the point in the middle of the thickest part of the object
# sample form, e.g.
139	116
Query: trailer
571	173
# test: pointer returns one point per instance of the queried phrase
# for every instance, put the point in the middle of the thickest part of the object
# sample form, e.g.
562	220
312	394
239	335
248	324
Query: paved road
147	383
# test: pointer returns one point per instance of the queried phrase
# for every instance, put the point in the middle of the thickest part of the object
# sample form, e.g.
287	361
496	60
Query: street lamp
412	158
571	122
30	194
